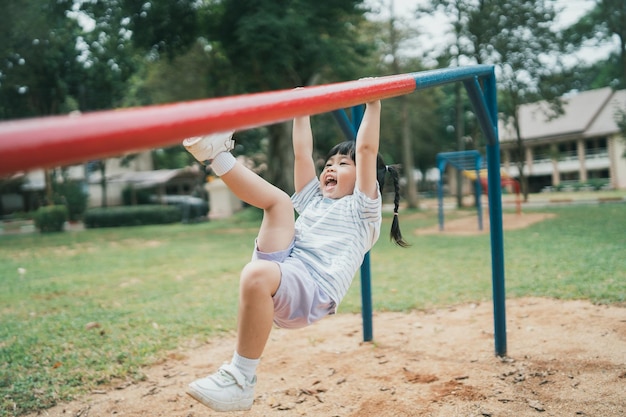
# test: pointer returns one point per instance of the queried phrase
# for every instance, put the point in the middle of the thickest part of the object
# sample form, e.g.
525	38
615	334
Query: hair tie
387	168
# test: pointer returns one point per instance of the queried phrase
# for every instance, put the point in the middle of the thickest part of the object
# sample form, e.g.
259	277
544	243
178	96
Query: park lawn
85	309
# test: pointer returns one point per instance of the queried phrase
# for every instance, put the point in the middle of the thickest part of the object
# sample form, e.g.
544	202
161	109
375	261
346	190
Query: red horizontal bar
66	140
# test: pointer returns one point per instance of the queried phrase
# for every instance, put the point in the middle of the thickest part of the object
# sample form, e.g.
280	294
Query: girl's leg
258	282
277	227
260	279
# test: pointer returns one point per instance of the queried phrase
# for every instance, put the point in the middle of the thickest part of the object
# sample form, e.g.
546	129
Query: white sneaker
205	148
226	390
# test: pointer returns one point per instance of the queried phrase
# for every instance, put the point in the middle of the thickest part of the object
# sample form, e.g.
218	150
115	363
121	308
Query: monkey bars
462	161
64	140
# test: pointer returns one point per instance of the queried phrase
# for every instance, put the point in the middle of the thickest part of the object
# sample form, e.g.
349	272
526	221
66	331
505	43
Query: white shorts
299	301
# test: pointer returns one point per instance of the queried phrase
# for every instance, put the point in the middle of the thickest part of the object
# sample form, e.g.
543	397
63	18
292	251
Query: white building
136	175
582	146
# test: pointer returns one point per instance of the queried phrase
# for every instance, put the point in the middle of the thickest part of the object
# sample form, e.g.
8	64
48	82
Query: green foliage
110	60
598	26
131	216
72	195
38	57
278	45
163	26
162	81
50	219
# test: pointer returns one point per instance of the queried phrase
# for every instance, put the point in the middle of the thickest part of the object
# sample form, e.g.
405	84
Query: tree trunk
407	156
103	182
460	132
407	144
521	154
280	157
48	180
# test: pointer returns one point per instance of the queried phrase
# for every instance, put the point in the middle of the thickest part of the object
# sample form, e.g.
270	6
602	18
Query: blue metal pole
366	299
486	109
433	78
344	123
357	116
366	271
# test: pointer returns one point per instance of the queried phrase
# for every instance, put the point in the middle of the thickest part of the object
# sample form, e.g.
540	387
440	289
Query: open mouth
329	183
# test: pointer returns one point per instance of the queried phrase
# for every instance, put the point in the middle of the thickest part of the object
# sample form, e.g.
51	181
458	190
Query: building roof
604	123
586	114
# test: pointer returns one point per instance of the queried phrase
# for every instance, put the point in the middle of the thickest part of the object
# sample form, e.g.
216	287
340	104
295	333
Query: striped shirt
333	235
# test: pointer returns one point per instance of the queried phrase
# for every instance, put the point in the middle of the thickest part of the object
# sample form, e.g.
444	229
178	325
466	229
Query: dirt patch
468	225
565	358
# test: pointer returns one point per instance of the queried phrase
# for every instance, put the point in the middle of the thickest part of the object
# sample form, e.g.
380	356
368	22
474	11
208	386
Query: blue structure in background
463	161
480	83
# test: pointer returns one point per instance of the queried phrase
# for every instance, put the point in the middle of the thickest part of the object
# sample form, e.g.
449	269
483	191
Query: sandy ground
565	358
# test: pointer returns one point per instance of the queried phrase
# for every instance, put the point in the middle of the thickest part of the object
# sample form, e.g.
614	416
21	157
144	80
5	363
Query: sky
435	29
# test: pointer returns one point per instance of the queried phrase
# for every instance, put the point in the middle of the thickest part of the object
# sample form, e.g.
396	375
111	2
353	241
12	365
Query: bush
71	194
132	196
50	218
131	216
597	183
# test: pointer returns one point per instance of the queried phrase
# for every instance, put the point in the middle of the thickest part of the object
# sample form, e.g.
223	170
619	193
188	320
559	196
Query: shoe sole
217	406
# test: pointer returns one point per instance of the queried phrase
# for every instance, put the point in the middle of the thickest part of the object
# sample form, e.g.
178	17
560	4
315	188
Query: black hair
348	148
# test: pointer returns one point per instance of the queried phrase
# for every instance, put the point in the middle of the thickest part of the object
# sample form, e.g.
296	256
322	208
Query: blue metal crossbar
480	84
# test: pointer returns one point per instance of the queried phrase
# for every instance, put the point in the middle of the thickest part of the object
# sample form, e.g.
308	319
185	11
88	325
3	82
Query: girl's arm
367	149
304	166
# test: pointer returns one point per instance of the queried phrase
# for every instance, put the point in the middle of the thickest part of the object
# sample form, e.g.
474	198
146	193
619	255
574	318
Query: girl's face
338	177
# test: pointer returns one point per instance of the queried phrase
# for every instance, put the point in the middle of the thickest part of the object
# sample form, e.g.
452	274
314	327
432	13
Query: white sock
222	163
245	365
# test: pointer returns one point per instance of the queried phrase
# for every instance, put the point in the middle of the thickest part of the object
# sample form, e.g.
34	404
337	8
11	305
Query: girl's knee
282	203
260	277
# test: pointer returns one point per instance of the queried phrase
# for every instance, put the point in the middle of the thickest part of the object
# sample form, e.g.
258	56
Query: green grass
153	289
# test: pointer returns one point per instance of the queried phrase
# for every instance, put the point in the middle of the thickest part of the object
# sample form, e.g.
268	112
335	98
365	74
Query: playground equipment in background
471	164
463	161
505	181
64	140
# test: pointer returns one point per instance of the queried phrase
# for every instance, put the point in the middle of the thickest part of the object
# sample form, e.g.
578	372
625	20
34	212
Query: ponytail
395	234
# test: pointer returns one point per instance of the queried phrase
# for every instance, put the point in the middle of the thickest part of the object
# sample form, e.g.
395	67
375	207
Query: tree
459	11
518	37
107	57
395	36
606	20
108	61
38	58
163	27
274	45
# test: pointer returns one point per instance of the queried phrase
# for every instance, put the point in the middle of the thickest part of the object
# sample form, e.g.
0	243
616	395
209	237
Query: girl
300	270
